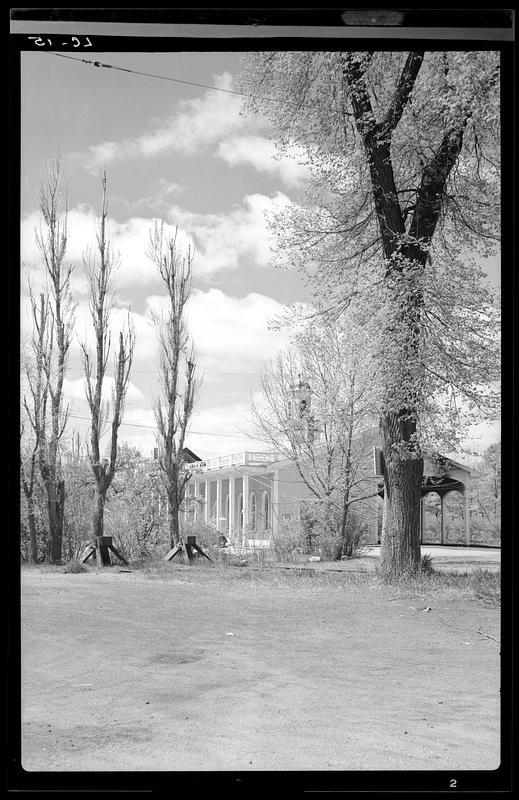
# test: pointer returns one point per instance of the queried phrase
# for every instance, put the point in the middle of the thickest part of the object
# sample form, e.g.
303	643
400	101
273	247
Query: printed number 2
453	784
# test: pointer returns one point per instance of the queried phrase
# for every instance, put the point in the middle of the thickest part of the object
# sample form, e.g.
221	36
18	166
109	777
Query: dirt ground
124	673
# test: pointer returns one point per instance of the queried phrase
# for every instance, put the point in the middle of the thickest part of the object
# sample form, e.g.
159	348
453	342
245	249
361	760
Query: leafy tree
403	148
100	271
137	505
486	494
174	406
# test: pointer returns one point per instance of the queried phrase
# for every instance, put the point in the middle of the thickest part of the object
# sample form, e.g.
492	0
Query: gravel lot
235	670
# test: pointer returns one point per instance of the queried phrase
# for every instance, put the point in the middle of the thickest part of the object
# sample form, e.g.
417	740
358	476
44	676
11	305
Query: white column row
233	523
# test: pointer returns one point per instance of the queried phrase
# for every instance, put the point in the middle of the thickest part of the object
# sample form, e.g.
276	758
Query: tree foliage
404	200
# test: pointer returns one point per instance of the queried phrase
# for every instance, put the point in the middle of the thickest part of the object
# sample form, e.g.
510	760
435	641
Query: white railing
260	458
235	459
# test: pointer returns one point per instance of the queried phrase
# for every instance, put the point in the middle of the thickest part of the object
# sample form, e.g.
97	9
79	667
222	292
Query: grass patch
479	584
428	585
44	568
230	574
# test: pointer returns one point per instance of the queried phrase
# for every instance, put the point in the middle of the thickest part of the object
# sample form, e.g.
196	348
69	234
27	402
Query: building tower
300	411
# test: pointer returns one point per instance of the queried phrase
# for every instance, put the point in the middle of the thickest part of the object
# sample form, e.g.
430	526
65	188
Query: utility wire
146	74
156	372
179	80
199	433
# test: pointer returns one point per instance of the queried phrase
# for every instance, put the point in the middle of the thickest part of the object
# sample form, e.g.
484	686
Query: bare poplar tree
34	404
100	271
53	320
328	444
178	381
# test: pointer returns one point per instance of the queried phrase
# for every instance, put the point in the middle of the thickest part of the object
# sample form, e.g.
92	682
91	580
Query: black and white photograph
260	332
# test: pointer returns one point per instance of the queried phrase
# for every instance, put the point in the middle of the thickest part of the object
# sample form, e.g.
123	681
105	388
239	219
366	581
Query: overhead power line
155	372
146	74
198	433
101	64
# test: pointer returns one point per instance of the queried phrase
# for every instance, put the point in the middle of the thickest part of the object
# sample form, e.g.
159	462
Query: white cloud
227	240
195	125
228	422
75	390
130	242
160	200
262	154
233	328
230	333
223	240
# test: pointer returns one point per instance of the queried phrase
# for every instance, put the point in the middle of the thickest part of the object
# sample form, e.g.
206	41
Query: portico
236	494
443	475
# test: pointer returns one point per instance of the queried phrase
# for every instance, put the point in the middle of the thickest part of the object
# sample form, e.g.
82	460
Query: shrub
426	567
290	541
322	530
74	566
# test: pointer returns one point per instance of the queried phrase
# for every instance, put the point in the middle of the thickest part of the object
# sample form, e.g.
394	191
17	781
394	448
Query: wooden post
103	544
172	553
87	553
191	543
117	553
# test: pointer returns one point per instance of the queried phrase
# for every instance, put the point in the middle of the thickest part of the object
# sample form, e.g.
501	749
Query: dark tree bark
28	482
403	462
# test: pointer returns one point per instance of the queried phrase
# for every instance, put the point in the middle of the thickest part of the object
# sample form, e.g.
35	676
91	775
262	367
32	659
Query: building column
218	502
231	506
442	519
274	506
196	497
246	493
207	496
466	495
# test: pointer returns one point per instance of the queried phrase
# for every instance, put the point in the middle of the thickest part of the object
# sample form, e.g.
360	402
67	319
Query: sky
184	154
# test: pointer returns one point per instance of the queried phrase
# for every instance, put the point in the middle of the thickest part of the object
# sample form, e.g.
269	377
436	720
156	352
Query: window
252	511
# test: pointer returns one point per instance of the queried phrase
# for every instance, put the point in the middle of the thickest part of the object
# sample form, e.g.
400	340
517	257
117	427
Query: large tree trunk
99	511
403	469
174	526
342	548
403	472
31	521
56	507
